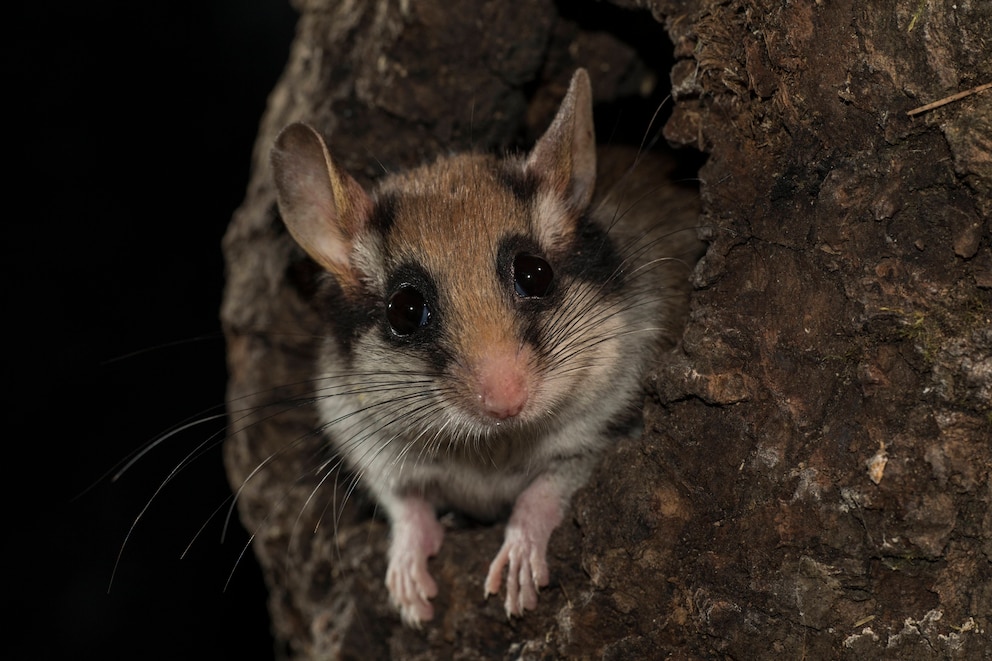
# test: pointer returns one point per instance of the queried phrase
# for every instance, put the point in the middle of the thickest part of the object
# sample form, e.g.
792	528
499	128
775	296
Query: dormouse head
474	265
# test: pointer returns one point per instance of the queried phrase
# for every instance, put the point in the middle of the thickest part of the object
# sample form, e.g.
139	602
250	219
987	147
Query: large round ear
323	207
564	159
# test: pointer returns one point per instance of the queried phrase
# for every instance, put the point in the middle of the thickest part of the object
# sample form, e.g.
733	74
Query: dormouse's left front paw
537	512
527	571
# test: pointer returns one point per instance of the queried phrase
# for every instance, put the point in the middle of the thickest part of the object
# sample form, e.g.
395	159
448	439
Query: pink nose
502	386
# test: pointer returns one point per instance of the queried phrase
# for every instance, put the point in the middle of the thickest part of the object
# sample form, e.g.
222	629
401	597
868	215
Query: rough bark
814	479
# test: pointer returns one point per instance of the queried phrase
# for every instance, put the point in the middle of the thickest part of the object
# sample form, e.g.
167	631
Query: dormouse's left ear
564	159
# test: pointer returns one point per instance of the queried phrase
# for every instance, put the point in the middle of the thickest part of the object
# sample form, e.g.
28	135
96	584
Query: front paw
417	536
411	587
536	513
525	561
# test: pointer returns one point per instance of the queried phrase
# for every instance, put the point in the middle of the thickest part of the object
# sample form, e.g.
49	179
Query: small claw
495	576
414	615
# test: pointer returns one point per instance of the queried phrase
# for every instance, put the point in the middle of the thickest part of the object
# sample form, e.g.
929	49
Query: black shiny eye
407	310
532	276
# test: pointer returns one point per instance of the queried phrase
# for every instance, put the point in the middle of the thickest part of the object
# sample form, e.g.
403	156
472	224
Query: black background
128	142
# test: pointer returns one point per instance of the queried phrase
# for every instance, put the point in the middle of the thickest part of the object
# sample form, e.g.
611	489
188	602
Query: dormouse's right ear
323	207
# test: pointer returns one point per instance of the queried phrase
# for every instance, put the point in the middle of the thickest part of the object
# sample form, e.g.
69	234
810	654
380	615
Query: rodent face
471	295
481	297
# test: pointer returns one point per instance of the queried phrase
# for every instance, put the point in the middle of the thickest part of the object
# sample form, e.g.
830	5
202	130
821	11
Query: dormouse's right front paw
417	535
411	587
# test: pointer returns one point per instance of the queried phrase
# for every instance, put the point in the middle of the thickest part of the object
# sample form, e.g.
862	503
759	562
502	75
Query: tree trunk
814	478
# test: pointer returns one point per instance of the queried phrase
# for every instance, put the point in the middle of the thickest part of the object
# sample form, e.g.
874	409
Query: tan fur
453	226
